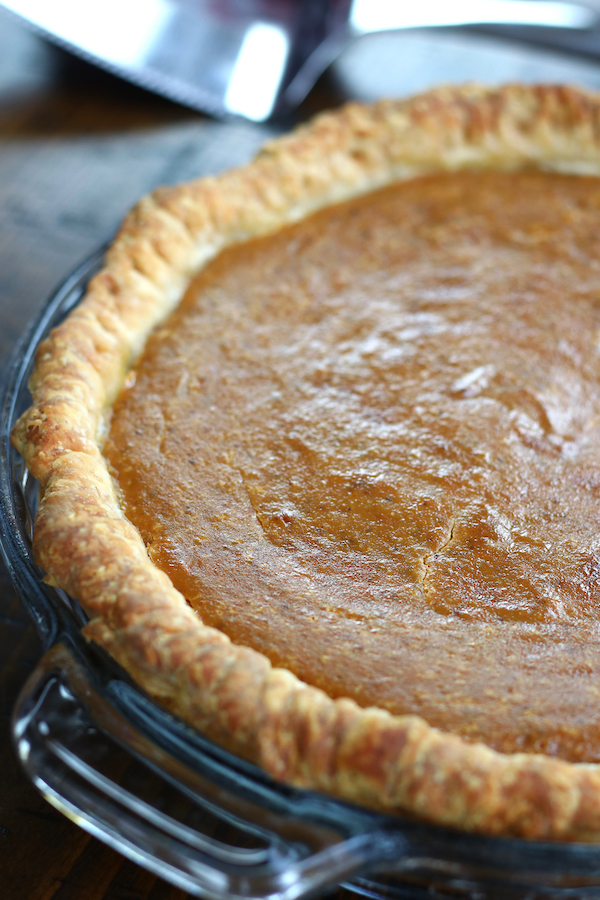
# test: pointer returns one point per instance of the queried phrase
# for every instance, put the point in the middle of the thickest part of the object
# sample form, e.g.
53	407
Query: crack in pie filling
358	466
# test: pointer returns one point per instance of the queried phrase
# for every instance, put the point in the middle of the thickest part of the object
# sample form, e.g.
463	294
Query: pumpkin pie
319	456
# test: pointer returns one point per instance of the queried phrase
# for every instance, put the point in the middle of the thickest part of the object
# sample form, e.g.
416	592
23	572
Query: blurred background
78	146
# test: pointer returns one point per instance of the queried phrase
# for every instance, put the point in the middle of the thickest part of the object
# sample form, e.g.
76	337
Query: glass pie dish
168	798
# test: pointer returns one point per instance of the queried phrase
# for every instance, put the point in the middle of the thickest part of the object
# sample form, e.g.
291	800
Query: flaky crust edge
295	732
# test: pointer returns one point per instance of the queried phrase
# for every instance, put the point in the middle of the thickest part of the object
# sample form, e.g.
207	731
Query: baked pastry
393	408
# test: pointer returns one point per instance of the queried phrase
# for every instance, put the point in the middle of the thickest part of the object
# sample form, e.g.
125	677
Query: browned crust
87	547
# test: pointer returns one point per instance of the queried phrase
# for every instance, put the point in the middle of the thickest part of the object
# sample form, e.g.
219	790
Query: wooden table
77	148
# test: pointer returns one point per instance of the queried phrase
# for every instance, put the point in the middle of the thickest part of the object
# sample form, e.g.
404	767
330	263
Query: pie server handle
260	59
121	786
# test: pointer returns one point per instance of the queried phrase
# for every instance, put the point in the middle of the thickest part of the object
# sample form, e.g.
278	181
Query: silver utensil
260	58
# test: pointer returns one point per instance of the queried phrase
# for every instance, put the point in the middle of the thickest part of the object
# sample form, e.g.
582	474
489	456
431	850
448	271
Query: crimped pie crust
87	547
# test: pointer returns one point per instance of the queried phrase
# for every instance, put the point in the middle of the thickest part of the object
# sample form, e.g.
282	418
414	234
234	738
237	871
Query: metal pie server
259	58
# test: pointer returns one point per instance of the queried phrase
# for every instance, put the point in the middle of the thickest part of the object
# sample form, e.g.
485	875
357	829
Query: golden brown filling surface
369	447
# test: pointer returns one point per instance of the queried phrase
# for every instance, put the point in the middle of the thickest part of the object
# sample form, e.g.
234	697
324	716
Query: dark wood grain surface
77	148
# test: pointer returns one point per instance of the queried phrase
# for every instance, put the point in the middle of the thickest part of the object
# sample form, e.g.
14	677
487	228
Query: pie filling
368	446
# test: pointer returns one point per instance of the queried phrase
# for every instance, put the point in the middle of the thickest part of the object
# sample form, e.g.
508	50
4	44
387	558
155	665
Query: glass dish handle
65	734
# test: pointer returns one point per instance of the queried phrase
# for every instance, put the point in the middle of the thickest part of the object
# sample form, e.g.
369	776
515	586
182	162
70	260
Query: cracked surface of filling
369	447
